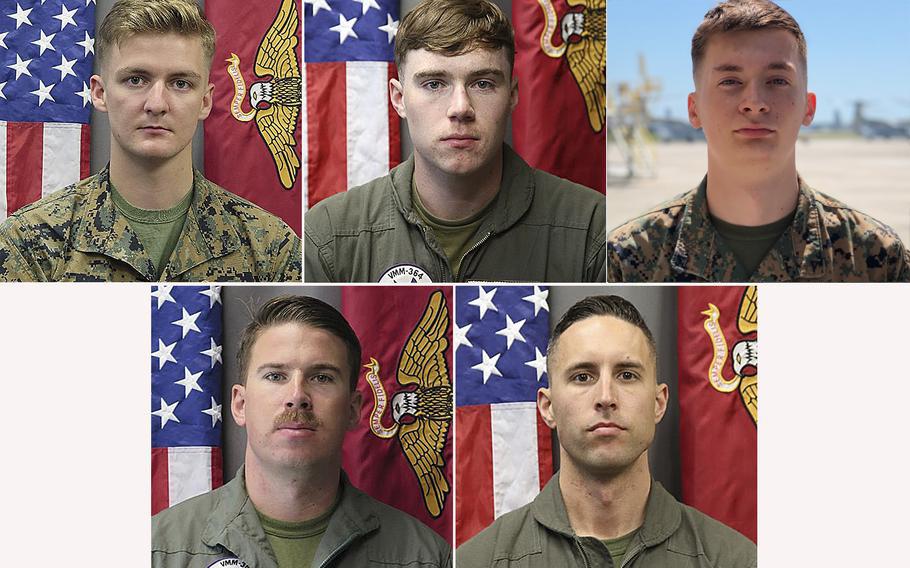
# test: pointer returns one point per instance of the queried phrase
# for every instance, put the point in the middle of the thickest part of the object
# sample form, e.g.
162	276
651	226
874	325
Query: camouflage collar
208	232
516	192
798	254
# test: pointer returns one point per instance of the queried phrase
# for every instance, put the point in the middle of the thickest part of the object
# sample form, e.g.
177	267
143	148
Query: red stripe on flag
160	497
24	141
394	126
474	476
217	468
85	163
326	126
544	451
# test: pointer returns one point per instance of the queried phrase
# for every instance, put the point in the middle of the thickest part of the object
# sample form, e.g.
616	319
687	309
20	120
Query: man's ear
96	87
396	96
513	94
354	409
206	102
694	119
545	407
660	402
810	109
238	404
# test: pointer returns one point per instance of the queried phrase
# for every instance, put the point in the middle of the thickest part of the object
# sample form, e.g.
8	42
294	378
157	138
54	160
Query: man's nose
754	100
156	100
298	396
606	394
460	105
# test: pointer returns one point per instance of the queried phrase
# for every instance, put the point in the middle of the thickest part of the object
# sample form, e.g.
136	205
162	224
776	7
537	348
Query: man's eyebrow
728	68
316	367
489	72
144	71
734	68
781	66
430	74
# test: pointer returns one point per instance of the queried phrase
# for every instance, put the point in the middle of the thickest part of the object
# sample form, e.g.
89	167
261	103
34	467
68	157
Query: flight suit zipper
470	250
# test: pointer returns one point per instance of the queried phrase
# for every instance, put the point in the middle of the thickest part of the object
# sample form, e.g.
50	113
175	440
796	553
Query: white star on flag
21	67
318	5
188	322
2	85
488	366
3	40
214	411
166	412
164	353
539	363
484	301
44	43
44	92
539	299
21	16
85	93
214	294
345	28
390	27
189	382
366	5
65	67
163	294
88	44
512	331
460	336
66	17
214	352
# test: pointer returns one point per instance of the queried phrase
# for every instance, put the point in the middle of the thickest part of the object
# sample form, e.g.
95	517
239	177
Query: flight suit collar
354	518
207	233
798	254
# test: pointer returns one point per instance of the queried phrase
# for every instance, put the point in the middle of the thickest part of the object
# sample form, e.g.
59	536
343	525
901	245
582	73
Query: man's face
603	400
296	404
155	89
457	107
750	97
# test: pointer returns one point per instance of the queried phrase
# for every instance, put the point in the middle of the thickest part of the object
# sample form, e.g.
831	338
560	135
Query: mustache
306	417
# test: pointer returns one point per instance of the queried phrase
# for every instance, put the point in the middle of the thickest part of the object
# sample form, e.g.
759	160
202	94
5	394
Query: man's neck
455	197
293	494
605	507
750	197
153	185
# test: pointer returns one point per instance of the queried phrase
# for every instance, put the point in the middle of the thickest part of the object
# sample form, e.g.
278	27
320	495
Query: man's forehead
602	336
168	53
421	61
764	48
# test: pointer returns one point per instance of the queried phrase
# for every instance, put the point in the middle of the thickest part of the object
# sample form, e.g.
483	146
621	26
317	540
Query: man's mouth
154	128
460	140
754	131
605	427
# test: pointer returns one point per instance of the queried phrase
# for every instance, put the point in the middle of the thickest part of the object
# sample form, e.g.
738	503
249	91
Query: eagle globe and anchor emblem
421	416
276	101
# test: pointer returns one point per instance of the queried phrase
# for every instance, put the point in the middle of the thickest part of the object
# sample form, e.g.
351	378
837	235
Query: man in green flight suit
753	218
148	215
602	509
291	505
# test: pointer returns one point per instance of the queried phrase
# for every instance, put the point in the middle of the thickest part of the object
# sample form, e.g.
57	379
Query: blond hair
454	27
131	17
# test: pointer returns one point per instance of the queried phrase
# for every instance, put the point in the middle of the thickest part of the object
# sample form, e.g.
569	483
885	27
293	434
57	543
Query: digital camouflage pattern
77	234
826	242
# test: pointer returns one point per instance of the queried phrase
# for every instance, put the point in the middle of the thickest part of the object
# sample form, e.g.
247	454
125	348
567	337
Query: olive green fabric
539	535
223	525
295	544
158	229
617	547
750	244
541	229
454	236
77	234
827	241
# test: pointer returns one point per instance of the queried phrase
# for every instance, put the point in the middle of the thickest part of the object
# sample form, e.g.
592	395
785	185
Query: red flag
255	151
718	403
382	456
559	124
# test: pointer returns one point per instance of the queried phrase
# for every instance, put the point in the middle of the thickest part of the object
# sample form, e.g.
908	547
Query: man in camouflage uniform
148	216
603	509
753	218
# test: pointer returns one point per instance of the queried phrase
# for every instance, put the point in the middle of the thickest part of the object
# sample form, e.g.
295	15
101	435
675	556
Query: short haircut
302	310
613	306
132	17
454	27
745	15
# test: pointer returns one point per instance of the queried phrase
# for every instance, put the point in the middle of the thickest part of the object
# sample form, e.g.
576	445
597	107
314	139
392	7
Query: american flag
186	392
350	131
46	54
503	448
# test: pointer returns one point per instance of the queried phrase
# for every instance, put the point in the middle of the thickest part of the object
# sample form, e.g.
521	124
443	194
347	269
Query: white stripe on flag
516	475
189	472
304	149
3	204
367	120
60	156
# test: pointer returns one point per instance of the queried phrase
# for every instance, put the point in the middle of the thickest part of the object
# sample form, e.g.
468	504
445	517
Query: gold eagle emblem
584	34
275	102
744	355
423	415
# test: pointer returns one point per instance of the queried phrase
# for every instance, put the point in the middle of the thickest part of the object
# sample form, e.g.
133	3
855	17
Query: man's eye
779	82
627	376
181	84
433	85
274	377
729	82
135	81
483	84
583	378
323	378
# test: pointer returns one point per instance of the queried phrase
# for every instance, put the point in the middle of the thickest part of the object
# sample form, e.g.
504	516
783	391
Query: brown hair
131	17
744	15
454	27
302	310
